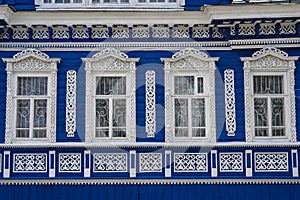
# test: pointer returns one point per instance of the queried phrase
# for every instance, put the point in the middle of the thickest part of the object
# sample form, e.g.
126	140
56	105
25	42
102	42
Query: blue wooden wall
152	192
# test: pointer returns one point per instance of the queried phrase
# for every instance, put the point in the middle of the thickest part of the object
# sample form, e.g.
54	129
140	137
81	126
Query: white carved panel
150	162
200	32
190	162
140	31
287	28
267	29
20	33
69	162
80	32
30	162
160	31
120	32
113	162
230	102
180	31
99	32
40	32
246	29
231	162
150	104
71	103
271	162
60	32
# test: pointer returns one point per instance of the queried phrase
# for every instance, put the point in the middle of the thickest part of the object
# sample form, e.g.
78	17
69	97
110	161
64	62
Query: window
189	106
270	96
110	106
110	97
31	107
189	97
31	97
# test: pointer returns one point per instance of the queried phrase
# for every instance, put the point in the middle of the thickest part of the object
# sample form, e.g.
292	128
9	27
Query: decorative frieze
30	162
271	161
150	104
190	162
69	162
4	33
110	162
231	162
216	33
71	103
150	162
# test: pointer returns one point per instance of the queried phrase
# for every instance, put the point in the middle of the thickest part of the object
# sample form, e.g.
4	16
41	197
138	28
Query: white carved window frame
110	62
30	63
271	61
198	64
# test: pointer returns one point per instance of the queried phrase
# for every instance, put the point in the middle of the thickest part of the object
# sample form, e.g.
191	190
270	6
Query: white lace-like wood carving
140	31
190	162
150	162
150	104
271	162
270	59
246	29
99	32
231	162
80	32
69	162
287	28
120	32
110	162
30	60
200	32
111	61
267	29
230	102
195	61
60	32
20	33
181	31
71	103
40	32
30	162
160	31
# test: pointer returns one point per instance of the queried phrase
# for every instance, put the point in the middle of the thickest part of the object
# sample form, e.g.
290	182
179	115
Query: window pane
261	132
198	112
24	133
261	111
118	132
58	1
142	1
184	85
23	113
77	1
181	132
124	1
119	113
268	84
102	113
39	133
40	113
47	1
277	111
181	113
95	1
200	86
198	132
32	86
102	132
111	85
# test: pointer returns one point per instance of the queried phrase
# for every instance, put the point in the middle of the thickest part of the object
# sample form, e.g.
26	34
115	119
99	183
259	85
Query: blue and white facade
123	98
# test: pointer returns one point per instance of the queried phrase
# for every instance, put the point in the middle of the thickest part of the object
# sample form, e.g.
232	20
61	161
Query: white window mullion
190	117
269	107
31	122
110	118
